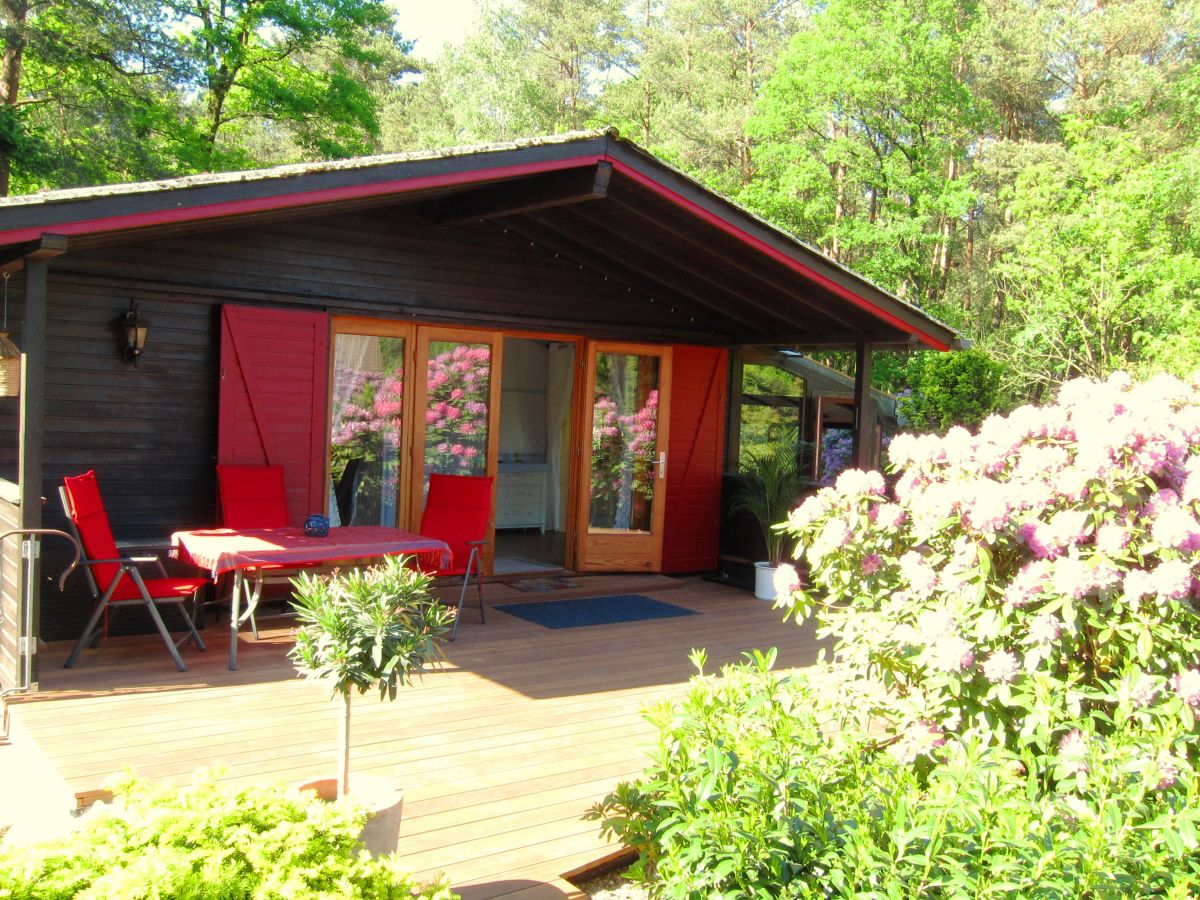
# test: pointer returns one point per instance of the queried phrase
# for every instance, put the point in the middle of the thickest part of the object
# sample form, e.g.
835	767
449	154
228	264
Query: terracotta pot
764	581
383	801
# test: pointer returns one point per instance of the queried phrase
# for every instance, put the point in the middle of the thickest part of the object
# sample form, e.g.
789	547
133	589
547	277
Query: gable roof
733	275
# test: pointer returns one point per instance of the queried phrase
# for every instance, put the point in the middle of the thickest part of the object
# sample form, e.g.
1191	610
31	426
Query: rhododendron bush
1035	581
1011	703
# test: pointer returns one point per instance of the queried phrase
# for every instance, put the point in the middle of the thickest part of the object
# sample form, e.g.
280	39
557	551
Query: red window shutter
695	458
273	399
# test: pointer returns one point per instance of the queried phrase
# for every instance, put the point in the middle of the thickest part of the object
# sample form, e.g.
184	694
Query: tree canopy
1026	170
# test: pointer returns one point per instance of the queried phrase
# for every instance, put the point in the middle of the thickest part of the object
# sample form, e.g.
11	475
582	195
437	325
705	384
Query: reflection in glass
624	441
368	389
458	377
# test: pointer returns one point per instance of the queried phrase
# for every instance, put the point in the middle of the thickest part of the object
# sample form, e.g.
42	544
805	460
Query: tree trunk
15	14
344	749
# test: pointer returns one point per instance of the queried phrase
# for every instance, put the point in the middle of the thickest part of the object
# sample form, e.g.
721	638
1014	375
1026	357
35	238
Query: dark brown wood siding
150	432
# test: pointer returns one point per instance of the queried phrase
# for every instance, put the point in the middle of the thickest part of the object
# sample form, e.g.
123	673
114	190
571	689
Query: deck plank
501	751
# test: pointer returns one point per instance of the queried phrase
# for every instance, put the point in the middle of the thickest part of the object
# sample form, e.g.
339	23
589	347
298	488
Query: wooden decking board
500	752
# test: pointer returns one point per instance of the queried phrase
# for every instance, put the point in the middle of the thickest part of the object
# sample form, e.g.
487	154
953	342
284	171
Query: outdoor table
221	550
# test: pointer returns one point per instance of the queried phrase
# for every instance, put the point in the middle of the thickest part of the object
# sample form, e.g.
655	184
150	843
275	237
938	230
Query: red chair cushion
91	521
458	509
252	497
159	588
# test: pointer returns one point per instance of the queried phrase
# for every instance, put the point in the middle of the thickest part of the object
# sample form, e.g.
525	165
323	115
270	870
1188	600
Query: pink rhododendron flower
855	482
1045	629
1190	490
786	580
1176	527
1001	667
951	653
921	577
1040	539
1166	766
1028	584
917	739
1160	502
1137	584
1187	685
986	505
1072	752
1112	538
889	515
1172	579
834	535
871	564
1070	527
1145	690
934	624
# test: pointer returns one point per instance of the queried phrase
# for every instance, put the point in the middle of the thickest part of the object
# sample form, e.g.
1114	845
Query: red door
273	398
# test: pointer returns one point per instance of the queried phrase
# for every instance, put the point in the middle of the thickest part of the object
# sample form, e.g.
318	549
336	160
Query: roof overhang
656	229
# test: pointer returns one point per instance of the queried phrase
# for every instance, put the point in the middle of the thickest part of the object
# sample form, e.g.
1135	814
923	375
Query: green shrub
206	842
946	389
1011	704
760	788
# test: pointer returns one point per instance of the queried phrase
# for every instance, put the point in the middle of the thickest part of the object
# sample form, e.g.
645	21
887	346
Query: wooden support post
33	395
733	430
864	411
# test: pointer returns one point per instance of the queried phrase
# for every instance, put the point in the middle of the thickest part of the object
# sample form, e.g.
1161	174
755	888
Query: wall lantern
136	329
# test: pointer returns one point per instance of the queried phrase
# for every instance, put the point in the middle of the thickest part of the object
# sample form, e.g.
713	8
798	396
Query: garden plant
366	629
209	842
1010	706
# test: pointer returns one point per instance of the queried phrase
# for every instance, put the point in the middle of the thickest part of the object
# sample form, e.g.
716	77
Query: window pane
458	379
368	392
624	441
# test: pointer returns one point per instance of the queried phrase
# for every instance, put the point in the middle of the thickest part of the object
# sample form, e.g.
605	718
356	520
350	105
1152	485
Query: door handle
661	463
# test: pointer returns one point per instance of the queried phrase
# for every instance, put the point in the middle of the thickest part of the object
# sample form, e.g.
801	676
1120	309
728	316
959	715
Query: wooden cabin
512	309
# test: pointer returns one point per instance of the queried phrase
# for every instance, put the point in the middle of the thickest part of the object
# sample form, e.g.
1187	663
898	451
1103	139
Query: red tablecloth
223	549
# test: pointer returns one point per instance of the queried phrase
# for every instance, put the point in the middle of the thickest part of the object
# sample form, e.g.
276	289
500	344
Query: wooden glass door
623	482
370	422
457	402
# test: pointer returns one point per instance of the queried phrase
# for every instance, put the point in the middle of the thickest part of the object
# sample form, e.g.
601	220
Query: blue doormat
593	611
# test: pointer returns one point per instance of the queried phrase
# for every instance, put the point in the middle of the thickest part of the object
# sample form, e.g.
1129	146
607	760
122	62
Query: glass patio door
457	401
369	422
623	488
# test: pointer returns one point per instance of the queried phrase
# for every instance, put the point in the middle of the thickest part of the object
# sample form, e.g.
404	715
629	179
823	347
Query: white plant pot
764	581
384	803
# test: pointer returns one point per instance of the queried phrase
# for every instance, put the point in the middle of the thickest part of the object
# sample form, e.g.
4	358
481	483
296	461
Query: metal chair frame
129	567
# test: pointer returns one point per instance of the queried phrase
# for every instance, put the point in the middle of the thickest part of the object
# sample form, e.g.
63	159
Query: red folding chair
255	497
252	497
115	580
458	510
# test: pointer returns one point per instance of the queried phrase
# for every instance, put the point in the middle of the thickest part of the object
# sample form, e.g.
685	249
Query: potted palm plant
362	630
771	488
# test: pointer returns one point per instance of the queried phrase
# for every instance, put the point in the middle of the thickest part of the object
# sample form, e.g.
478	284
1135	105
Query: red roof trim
284	201
779	256
404	185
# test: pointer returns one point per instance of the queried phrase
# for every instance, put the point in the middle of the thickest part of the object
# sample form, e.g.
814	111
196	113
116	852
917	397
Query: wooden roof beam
644	258
12	259
755	273
522	196
650	286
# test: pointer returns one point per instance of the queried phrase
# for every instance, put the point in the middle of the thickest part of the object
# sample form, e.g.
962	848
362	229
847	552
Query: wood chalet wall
150	432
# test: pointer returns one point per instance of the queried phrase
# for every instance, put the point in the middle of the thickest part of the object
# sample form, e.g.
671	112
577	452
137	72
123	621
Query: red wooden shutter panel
695	459
274	396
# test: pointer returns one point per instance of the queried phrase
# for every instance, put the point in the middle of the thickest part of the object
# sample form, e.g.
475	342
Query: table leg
234	618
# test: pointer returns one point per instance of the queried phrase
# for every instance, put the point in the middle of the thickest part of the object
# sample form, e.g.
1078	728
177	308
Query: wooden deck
500	752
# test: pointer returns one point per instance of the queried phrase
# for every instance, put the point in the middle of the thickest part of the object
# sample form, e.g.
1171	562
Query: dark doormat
594	611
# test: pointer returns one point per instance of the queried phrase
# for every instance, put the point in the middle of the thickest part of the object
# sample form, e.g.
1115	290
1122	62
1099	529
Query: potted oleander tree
770	489
363	630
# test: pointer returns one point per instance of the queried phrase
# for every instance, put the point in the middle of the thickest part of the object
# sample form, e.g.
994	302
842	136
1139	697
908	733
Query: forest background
1027	171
